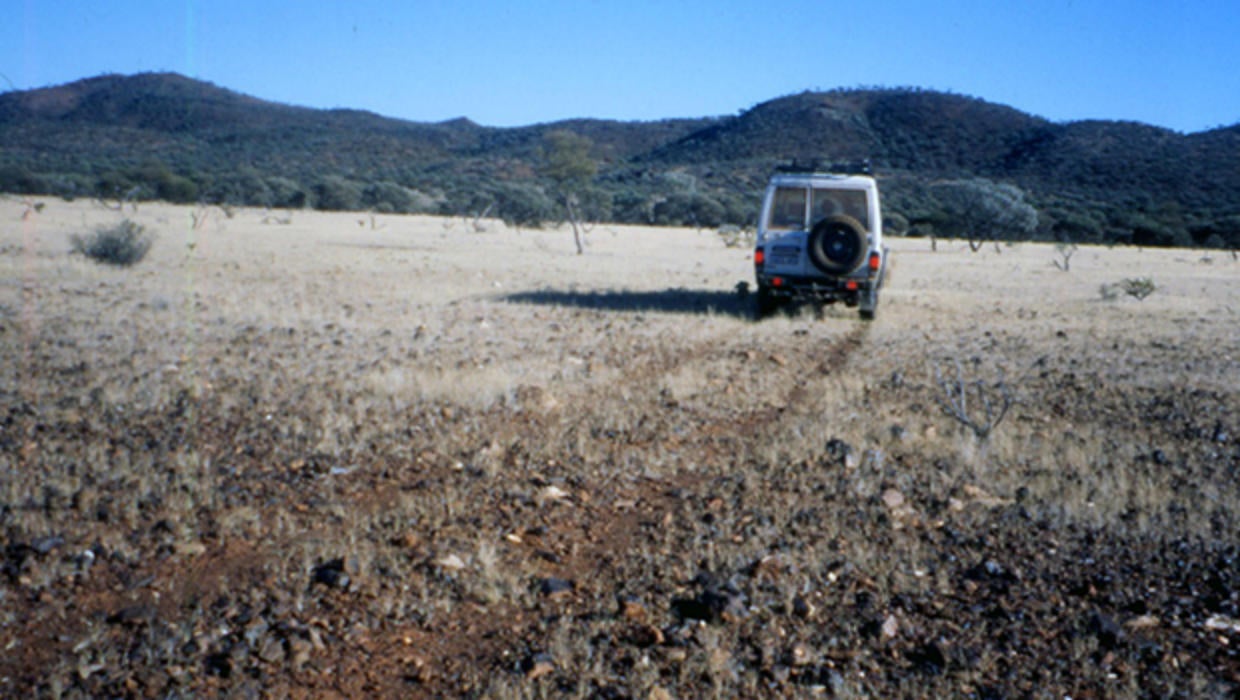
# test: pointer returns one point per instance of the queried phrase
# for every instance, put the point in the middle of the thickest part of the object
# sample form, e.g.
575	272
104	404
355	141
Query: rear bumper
817	288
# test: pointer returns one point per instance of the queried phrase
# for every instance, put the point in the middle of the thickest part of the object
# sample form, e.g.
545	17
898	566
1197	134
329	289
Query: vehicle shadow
670	301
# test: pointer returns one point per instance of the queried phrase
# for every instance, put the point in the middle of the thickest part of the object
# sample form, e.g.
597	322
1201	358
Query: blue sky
1174	64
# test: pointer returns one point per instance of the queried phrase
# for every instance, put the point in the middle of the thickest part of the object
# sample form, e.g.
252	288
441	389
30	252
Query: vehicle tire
765	304
868	305
837	245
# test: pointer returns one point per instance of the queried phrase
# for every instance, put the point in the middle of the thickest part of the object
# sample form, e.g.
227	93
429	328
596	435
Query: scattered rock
332	574
891	627
1221	623
928	658
538	665
44	545
632	609
842	453
1108	632
552	587
408	540
451	563
271	651
299	652
1142	622
552	494
536	398
893	499
769	566
674	655
646	636
802	608
658	693
716	603
133	615
981	497
779	360
799	655
192	549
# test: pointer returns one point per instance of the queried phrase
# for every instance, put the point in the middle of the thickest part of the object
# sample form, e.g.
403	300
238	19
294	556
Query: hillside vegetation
165	136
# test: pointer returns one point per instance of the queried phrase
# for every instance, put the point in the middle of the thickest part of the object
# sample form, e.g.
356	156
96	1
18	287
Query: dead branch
480	227
1064	251
975	404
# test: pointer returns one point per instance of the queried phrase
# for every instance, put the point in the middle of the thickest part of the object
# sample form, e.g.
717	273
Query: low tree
981	210
337	193
567	163
521	204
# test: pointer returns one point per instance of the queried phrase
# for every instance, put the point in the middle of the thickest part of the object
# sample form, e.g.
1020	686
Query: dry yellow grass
402	391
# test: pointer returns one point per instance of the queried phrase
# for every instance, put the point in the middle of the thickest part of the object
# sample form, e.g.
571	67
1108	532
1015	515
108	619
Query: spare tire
837	245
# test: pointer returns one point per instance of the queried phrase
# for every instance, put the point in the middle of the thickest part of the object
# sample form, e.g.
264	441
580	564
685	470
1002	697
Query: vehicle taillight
876	261
759	257
851	285
777	281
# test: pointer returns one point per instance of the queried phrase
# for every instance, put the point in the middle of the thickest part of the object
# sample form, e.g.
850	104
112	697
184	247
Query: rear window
847	202
787	209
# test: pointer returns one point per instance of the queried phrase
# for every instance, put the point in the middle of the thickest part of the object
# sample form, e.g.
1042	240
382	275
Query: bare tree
1064	253
118	202
200	214
32	208
480	227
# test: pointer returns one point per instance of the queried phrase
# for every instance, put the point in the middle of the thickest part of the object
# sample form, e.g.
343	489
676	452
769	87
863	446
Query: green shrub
122	245
1138	287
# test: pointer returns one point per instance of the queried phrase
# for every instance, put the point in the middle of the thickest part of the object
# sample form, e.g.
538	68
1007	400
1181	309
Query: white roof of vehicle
823	179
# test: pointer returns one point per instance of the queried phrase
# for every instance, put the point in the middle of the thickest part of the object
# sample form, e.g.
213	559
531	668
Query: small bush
734	236
1138	287
122	245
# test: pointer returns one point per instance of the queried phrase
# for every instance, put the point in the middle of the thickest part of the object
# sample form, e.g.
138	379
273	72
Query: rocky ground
552	488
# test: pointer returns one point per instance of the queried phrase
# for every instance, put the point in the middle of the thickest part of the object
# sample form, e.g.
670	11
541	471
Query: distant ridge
1114	180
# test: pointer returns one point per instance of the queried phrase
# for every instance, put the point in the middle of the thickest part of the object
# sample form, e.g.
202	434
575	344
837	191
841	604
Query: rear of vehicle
820	240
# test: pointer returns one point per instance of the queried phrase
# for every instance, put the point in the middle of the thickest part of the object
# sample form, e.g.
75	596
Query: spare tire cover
837	245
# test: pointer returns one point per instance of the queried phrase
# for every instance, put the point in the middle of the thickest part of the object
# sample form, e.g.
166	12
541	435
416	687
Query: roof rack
822	165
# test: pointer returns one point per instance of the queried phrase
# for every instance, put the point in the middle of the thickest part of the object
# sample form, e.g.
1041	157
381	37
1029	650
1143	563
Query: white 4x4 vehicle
820	239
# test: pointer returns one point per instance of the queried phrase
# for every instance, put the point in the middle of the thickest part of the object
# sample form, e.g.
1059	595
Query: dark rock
714	604
554	587
133	615
646	636
538	665
219	664
1107	630
929	658
838	450
802	608
332	574
43	545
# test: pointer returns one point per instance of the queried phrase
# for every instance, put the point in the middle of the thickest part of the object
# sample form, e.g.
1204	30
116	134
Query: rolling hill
172	137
